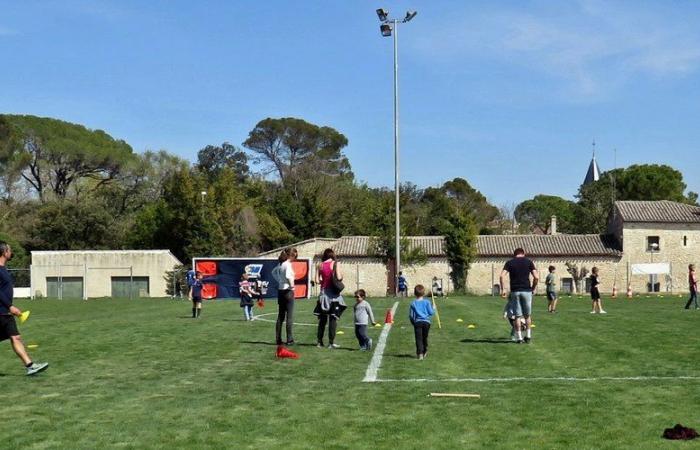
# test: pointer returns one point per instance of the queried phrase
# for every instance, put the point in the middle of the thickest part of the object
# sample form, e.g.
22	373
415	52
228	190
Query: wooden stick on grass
445	394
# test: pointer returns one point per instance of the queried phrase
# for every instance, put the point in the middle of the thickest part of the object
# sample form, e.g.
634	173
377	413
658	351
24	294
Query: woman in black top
595	293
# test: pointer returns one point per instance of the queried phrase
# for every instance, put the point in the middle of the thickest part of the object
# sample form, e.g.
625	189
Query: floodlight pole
396	157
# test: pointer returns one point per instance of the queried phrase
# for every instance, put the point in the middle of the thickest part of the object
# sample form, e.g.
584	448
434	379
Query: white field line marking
259	317
373	368
526	379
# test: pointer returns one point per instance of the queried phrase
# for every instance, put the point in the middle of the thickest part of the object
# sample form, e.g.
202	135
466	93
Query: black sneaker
519	341
527	340
289	343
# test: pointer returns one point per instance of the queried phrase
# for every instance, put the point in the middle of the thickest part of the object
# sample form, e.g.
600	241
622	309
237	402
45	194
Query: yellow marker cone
30	346
378	325
24	316
340	332
471	325
460	320
533	325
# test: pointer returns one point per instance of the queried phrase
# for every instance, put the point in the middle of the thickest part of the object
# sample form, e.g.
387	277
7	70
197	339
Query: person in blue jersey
8	312
420	314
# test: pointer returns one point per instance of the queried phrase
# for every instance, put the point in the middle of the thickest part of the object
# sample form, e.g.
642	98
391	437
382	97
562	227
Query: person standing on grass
551	282
693	286
8	312
330	303
246	290
420	313
520	269
363	317
595	293
196	295
284	276
403	285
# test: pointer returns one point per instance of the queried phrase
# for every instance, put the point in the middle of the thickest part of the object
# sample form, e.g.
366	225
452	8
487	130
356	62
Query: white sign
651	269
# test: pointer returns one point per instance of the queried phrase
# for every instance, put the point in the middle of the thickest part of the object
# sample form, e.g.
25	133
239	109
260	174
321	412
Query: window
685	241
653	244
567	285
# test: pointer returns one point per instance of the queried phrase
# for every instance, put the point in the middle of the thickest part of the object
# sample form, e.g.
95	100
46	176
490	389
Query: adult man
8	326
519	269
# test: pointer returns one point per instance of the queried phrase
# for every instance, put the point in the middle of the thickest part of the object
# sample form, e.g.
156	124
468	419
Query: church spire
593	173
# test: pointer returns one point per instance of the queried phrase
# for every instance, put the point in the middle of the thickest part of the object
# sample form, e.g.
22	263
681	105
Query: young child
419	314
363	317
595	294
246	289
551	283
692	286
510	314
196	295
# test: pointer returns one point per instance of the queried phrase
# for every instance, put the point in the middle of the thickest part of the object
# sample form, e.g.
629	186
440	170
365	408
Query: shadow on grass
487	341
403	355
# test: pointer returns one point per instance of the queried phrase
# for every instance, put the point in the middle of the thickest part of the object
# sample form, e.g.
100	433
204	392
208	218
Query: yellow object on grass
24	316
471	325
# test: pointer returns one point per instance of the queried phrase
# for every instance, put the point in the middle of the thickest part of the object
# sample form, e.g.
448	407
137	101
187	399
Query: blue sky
508	94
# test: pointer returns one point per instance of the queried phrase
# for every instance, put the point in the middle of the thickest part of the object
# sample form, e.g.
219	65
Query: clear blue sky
508	95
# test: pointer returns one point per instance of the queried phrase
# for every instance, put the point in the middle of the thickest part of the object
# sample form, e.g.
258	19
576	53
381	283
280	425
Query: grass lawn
142	374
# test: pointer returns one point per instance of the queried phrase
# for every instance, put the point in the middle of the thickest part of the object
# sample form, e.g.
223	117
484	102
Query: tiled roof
662	211
549	245
500	245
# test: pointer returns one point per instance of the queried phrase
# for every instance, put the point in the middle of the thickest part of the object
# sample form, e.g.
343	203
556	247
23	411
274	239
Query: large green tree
537	212
212	159
52	155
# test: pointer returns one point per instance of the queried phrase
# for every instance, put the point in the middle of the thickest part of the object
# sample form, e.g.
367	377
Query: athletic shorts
511	309
551	296
8	327
595	294
197	299
522	302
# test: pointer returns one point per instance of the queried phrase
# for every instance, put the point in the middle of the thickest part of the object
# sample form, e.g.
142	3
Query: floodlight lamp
410	15
383	14
386	30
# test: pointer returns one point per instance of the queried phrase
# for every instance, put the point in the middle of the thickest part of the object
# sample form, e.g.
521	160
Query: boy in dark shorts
196	295
8	312
551	282
595	293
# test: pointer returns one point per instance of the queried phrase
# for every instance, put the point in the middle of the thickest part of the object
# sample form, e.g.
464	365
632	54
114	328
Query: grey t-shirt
551	283
363	313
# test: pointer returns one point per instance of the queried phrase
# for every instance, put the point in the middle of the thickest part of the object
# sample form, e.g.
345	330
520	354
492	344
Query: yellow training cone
23	317
471	325
32	346
460	320
378	325
340	332
533	325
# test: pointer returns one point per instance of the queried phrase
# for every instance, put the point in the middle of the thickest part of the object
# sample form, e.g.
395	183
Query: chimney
553	226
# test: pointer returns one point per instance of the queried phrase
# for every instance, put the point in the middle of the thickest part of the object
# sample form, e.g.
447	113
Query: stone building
89	274
648	247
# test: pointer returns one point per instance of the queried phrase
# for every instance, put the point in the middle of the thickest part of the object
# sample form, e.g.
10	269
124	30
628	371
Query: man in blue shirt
8	325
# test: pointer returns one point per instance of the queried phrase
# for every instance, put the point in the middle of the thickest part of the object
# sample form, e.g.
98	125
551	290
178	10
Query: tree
52	155
212	159
536	213
460	245
577	274
293	148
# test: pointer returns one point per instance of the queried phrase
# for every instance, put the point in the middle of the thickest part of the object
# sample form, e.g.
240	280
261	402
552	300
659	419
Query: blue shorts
522	302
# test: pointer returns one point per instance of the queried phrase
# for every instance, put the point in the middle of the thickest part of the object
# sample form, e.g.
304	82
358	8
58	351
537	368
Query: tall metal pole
396	155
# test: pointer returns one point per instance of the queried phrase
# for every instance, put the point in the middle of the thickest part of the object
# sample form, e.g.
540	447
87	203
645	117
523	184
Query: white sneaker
36	368
333	346
369	344
592	312
602	312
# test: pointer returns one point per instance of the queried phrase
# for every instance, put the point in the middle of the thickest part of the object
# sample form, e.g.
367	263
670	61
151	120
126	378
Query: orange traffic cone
629	291
389	318
284	352
614	293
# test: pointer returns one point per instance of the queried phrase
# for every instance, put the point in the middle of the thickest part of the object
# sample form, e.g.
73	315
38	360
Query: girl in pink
330	304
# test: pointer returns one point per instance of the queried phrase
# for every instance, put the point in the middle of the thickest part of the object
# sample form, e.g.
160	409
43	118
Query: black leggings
421	330
285	301
332	326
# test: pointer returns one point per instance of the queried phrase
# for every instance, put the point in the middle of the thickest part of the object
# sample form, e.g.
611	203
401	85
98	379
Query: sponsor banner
222	276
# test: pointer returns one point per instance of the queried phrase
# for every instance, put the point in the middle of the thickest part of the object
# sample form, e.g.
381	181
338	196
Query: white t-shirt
284	275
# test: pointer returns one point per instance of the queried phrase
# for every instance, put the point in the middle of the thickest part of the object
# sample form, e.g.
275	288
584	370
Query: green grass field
142	374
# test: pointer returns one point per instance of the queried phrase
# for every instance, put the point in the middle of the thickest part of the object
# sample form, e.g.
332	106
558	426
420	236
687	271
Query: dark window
653	244
685	241
567	285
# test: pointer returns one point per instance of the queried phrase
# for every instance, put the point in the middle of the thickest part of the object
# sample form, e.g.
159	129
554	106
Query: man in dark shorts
519	269
8	312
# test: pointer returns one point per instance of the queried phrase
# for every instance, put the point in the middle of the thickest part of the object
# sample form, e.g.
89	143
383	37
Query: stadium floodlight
386	30
409	15
390	27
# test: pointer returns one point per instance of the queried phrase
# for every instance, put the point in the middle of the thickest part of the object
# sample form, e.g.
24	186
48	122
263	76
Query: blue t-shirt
6	291
421	311
402	282
191	277
197	289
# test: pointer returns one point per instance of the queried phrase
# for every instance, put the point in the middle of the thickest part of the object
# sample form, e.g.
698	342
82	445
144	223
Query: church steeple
593	173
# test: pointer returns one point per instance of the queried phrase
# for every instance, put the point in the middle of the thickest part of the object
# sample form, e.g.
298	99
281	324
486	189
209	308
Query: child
196	295
363	317
595	294
419	314
693	286
403	285
511	315
551	283
247	294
